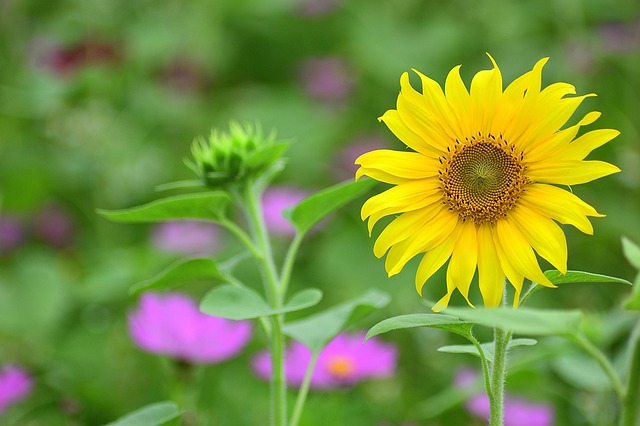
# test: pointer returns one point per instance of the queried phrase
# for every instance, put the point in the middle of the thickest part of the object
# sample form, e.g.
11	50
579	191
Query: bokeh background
100	100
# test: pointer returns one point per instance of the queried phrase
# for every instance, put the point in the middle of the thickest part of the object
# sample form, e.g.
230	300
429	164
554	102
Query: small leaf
180	272
317	330
440	321
151	415
315	207
534	322
265	155
582	372
581	277
242	303
487	348
631	252
205	206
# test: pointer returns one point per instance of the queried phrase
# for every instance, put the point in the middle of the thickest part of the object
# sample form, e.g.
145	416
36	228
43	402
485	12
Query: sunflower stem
304	390
499	371
631	402
275	296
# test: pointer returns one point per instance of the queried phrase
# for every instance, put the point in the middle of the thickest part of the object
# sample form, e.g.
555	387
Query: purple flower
11	234
326	78
65	60
275	201
186	237
620	37
517	412
465	378
316	7
343	362
184	76
171	324
15	386
53	226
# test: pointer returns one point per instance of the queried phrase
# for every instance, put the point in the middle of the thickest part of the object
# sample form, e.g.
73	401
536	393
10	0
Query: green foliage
242	303
314	208
487	348
317	330
440	321
632	253
209	206
581	277
155	414
179	272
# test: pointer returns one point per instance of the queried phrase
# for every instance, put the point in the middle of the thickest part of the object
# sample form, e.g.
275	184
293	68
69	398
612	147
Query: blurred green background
100	100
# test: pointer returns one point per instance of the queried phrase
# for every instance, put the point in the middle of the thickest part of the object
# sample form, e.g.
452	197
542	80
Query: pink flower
171	324
11	234
345	167
15	386
65	60
343	362
53	226
186	237
313	8
275	201
326	78
517	412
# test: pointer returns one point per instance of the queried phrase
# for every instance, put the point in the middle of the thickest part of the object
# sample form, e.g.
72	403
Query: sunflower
479	187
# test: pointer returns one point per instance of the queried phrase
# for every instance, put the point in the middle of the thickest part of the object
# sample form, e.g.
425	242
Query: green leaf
631	252
487	348
315	207
182	271
633	302
317	330
440	321
151	415
581	277
204	206
534	322
241	303
582	372
181	184
265	155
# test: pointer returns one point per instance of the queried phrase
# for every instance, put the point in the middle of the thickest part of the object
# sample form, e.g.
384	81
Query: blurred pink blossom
343	362
517	412
171	324
53	226
314	8
15	386
65	60
346	167
275	201
11	233
620	37
189	237
326	78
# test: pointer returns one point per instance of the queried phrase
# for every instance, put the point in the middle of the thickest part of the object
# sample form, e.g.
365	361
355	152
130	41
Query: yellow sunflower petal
515	278
569	172
544	235
459	100
434	259
581	147
393	121
559	205
486	90
518	252
464	259
405	165
490	274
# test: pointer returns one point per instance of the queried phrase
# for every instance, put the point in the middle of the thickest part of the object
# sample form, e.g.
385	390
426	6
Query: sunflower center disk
483	180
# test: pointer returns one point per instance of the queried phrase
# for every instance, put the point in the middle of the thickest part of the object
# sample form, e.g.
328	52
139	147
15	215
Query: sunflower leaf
528	321
315	207
487	348
150	415
205	206
183	270
242	303
631	252
317	330
441	321
556	277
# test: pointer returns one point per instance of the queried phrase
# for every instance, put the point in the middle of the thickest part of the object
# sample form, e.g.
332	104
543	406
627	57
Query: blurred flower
326	78
517	412
189	237
64	60
11	233
171	324
620	37
465	378
479	190
15	386
275	201
183	76
346	167
53	226
316	7
344	361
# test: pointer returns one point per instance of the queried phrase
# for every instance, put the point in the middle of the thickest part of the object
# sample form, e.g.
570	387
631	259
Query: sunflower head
483	185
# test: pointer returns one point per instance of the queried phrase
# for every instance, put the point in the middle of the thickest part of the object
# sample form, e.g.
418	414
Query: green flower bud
231	158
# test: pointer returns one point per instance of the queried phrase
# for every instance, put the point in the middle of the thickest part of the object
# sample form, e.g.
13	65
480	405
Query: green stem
485	364
582	341
631	402
285	275
304	390
275	298
498	374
